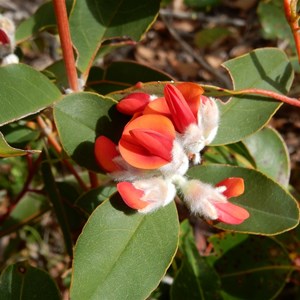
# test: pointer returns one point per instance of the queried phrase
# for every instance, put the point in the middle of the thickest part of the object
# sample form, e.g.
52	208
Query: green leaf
93	21
8	151
19	134
80	118
24	91
273	20
121	253
43	18
272	209
270	154
122	74
31	206
250	267
22	281
243	115
196	279
91	199
58	71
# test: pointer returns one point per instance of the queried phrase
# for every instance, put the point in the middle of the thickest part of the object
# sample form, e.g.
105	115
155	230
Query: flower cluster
165	135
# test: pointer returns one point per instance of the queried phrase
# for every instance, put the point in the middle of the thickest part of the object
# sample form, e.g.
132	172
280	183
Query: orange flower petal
131	195
158	106
192	94
105	151
230	213
154	122
133	103
234	186
131	149
182	115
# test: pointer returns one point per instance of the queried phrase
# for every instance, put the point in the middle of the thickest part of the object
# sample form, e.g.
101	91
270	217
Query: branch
251	91
66	43
290	10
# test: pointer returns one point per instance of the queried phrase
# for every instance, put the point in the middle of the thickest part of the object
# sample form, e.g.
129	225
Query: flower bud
147	195
211	202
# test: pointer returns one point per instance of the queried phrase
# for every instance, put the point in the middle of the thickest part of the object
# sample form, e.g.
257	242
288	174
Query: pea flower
147	195
152	156
212	202
149	142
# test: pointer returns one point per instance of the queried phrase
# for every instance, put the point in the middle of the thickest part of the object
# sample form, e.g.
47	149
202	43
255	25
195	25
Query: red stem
282	98
93	180
290	10
68	55
66	43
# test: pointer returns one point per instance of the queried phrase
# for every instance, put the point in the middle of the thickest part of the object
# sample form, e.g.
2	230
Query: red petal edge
230	213
105	151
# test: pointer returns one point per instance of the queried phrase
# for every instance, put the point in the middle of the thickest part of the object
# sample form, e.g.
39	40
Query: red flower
105	152
146	195
182	115
147	142
211	202
228	212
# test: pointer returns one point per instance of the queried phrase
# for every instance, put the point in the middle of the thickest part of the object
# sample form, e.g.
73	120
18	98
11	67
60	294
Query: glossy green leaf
31	206
7	151
43	18
267	69
24	91
121	253
272	209
22	281
250	267
91	199
122	74
93	21
270	154
196	279
80	118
